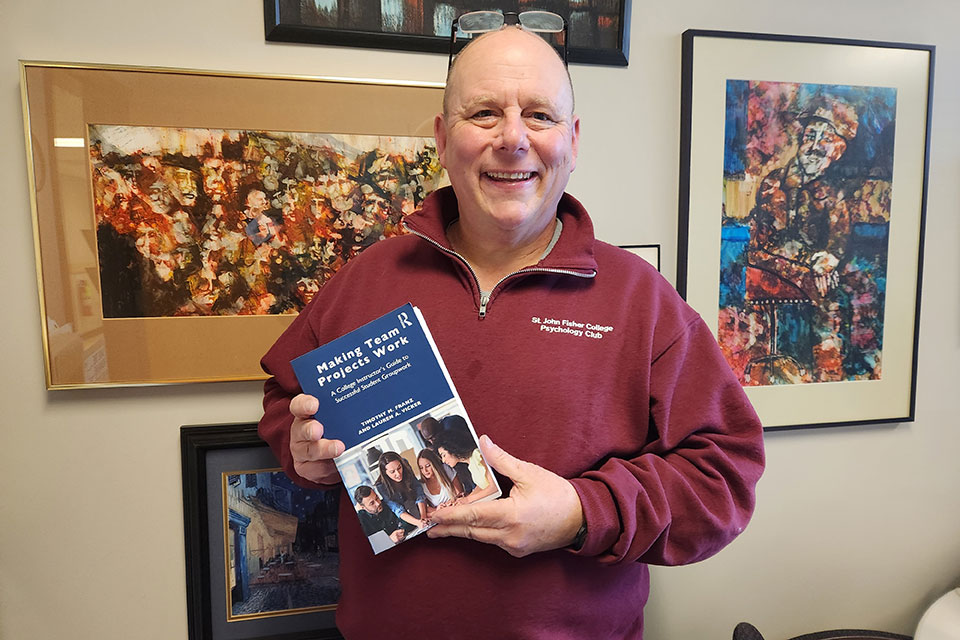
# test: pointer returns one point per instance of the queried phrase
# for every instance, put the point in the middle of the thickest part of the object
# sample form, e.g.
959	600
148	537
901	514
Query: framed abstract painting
262	554
599	30
802	204
182	217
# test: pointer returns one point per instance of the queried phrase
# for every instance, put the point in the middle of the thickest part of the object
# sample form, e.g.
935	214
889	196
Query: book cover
410	447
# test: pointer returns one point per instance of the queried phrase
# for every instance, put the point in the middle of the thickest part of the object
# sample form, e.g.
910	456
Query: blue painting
807	187
282	550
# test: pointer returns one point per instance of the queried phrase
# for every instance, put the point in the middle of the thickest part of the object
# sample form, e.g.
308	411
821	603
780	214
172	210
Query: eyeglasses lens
544	21
480	21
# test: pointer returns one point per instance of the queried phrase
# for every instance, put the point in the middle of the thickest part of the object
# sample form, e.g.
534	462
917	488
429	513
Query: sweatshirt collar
573	249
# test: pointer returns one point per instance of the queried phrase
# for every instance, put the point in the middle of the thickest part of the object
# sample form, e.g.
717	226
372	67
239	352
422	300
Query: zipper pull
484	299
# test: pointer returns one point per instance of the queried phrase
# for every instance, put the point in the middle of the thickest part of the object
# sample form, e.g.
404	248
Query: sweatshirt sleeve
279	390
690	490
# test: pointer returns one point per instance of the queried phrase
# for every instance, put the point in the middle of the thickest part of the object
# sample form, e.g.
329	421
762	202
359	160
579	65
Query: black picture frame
832	70
208	452
649	252
283	23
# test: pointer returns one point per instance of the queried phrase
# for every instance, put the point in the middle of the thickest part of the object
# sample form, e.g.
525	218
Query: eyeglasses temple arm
453	40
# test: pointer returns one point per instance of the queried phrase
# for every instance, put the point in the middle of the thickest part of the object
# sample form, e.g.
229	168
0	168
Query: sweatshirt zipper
485	299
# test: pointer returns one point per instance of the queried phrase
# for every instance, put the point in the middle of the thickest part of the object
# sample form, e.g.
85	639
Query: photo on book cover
398	479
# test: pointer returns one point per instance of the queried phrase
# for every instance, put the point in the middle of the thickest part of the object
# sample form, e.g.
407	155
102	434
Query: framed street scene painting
802	203
182	218
599	30
262	554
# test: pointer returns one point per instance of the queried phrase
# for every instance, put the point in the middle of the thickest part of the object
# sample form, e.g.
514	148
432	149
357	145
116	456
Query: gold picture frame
61	104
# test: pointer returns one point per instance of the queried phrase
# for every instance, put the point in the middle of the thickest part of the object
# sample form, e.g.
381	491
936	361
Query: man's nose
513	133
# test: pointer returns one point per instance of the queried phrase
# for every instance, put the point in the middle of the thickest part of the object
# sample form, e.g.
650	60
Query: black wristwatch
581	537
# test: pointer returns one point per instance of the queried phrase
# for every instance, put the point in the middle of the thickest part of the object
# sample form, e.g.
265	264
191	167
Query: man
801	221
634	441
430	428
801	227
374	518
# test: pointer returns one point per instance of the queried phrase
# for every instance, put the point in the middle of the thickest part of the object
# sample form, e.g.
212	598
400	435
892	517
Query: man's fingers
304	406
487	535
317	470
323	449
495	514
305	431
469	521
312	453
307	442
480	534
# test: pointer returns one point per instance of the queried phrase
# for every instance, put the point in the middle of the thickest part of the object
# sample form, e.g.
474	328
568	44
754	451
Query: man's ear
440	136
575	142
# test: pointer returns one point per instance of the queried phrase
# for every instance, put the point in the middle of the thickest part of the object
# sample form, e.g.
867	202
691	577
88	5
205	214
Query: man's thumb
501	461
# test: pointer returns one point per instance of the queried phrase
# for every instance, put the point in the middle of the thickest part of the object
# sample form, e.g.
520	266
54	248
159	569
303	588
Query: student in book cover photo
464	458
374	518
431	427
402	490
440	483
603	404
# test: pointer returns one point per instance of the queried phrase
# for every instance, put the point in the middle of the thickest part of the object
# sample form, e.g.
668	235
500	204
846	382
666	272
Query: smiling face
394	470
508	137
820	146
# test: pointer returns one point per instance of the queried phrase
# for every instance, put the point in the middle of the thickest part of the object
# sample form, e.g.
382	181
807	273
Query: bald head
507	41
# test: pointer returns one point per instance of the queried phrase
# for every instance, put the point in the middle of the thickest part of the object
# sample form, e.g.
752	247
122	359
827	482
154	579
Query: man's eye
541	116
483	113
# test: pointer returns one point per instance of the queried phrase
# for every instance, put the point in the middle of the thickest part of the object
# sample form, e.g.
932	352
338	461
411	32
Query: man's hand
312	453
397	536
543	511
824	267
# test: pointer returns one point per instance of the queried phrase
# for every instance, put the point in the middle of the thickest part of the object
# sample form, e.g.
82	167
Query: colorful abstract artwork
807	184
216	222
282	551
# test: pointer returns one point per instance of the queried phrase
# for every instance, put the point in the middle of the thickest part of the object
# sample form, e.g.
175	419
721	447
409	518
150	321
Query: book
384	391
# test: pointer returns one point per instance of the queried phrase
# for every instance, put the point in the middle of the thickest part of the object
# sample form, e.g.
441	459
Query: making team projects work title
388	345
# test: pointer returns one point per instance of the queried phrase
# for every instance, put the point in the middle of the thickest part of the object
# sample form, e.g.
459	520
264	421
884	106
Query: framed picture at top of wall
182	218
599	30
802	203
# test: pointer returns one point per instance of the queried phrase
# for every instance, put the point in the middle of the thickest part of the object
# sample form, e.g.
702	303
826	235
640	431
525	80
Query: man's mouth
509	176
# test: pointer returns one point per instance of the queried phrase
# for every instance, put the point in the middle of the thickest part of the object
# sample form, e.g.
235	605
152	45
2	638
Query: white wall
855	526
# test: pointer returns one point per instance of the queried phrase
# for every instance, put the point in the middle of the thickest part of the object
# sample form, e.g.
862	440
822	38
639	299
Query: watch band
580	538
